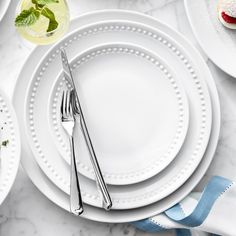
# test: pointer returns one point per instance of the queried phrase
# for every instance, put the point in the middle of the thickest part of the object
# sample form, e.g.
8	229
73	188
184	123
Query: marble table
26	212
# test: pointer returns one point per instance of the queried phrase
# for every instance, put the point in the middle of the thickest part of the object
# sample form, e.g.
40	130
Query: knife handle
107	203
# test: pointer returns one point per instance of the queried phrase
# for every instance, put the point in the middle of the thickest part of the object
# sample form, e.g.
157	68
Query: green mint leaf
27	17
44	2
37	6
48	13
53	24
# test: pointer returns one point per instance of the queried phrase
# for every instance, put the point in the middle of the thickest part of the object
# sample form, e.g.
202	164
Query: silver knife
107	203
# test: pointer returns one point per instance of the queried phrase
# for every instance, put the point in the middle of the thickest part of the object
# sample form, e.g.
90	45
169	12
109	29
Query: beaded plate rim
10	157
162	39
153	167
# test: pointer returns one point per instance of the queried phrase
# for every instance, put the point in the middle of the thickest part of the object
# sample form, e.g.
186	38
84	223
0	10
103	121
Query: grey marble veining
26	212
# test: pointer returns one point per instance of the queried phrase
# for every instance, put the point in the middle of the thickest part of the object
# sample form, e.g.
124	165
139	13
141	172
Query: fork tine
67	104
72	96
62	103
71	104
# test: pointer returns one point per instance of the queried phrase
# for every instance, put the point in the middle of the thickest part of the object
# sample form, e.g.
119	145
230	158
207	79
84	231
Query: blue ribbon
183	232
216	186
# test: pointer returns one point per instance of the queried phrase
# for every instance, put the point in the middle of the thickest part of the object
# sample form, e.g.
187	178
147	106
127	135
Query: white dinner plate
218	42
135	107
4	4
9	146
62	199
191	152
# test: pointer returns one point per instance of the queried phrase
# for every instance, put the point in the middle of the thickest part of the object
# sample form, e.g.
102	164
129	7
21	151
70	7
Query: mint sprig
30	16
27	17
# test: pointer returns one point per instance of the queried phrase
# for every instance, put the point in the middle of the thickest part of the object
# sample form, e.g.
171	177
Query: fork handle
76	204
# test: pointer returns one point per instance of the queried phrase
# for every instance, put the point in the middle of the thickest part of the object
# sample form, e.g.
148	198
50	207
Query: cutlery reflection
68	123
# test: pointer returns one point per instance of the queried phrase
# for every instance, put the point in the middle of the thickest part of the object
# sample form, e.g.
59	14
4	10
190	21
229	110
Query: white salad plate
59	197
10	146
207	28
159	43
135	107
4	4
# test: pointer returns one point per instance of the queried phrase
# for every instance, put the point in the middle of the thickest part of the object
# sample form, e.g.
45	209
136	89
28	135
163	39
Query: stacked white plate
9	146
4	4
148	100
204	19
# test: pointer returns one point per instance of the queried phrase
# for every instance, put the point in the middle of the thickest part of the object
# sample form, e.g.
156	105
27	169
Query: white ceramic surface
53	193
218	42
191	153
9	154
135	136
138	123
4	4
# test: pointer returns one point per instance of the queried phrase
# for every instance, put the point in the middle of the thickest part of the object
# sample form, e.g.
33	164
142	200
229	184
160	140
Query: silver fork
68	123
